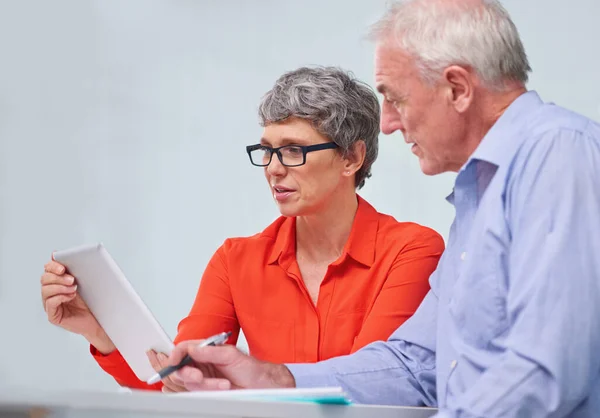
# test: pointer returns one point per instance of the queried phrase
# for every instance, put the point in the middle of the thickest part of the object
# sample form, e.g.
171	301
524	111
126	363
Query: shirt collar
360	245
500	144
285	240
363	236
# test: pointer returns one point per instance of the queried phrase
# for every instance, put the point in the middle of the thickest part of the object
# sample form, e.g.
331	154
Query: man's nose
391	121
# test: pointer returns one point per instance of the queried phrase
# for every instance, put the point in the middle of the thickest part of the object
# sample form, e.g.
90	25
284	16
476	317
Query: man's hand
225	367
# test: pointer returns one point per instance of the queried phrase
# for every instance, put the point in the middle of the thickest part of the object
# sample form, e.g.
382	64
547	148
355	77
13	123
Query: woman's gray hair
337	105
477	34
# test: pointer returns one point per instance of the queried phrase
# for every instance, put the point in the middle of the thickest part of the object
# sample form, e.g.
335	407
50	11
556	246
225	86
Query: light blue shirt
511	325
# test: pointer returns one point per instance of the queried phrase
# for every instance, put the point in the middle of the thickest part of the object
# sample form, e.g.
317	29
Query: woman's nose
275	168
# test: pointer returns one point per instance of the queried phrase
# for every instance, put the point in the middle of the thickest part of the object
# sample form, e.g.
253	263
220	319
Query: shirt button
463	255
453	364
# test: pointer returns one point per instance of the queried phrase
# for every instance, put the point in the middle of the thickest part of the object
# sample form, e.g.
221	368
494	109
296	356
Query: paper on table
324	395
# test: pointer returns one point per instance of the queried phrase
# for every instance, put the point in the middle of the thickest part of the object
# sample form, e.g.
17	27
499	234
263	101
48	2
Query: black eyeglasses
289	155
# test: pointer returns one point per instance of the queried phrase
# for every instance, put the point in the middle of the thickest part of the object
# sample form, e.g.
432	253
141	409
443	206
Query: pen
214	340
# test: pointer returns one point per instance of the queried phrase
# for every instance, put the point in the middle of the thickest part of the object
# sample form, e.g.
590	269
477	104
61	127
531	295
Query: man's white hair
472	33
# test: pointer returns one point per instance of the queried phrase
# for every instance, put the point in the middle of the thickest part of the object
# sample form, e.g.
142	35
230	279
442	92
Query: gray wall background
125	122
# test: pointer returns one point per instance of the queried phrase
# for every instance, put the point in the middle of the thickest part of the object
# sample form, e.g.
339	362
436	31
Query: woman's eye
292	151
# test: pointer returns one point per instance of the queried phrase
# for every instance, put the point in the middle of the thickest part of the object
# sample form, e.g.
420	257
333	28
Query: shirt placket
465	204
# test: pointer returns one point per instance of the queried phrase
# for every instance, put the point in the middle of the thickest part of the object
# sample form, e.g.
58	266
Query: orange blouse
255	283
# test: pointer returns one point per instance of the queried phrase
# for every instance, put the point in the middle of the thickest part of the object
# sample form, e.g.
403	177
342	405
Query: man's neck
499	102
322	237
491	107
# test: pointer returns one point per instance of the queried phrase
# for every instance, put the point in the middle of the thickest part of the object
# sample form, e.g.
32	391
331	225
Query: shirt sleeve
115	365
551	359
212	312
404	289
400	371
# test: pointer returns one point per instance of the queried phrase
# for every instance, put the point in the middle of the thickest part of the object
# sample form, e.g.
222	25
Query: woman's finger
51	305
52	278
159	361
51	290
153	359
54	267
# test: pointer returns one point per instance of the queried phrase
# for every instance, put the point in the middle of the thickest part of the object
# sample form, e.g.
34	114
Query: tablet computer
116	305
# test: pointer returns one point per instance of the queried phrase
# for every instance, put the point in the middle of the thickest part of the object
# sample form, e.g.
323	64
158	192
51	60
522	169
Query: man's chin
428	168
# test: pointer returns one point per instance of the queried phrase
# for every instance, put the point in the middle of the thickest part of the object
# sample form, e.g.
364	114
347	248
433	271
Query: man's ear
460	87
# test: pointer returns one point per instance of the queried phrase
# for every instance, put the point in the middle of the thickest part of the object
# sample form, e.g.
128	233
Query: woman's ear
355	158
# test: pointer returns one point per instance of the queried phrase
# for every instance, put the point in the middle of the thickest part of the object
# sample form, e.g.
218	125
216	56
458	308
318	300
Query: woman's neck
322	237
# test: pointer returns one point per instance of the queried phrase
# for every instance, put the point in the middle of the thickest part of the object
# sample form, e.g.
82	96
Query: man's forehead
387	52
382	49
391	62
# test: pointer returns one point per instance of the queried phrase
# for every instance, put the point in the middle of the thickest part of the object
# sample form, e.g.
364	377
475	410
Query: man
509	327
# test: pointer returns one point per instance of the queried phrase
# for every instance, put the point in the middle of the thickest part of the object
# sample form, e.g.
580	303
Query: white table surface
22	402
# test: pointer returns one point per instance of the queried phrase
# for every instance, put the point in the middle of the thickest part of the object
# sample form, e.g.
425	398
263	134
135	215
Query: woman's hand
65	308
159	361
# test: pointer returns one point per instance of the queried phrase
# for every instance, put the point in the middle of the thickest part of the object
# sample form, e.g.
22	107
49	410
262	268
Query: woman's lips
281	193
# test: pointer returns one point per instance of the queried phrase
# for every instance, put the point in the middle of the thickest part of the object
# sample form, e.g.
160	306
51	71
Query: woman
326	278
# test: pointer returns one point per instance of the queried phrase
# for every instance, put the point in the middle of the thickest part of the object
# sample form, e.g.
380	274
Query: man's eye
397	103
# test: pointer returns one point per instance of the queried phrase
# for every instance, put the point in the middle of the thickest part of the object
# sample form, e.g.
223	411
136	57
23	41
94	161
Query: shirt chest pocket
477	302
